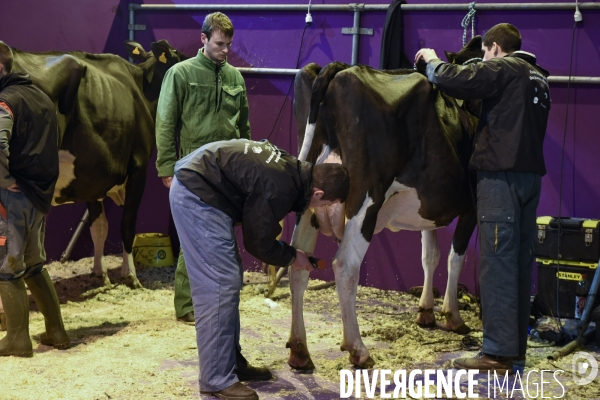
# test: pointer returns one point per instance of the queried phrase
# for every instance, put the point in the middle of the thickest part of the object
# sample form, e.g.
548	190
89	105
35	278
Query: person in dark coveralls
28	173
508	158
254	184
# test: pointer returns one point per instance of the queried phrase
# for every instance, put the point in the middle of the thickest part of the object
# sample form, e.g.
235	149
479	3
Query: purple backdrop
272	39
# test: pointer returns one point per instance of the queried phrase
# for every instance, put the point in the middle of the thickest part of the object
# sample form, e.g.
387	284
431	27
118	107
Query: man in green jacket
202	100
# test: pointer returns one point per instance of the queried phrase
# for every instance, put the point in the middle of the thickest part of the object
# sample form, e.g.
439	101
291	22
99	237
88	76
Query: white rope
470	17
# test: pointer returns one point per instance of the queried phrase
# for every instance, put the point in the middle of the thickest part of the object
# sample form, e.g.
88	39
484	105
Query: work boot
246	372
16	309
187	318
44	294
237	391
486	362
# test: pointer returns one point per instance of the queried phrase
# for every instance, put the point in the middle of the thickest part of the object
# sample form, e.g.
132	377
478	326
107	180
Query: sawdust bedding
127	344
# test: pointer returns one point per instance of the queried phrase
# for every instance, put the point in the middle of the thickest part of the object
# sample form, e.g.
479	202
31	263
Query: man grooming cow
509	161
28	174
202	100
254	184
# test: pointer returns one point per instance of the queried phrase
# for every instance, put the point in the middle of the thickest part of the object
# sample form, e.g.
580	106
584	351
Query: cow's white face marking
66	175
401	211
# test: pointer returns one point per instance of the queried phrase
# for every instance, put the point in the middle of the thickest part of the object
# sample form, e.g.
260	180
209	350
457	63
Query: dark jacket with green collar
514	111
200	102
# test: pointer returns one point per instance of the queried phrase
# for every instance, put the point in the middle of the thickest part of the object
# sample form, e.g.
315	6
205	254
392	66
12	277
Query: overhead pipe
364	7
291	71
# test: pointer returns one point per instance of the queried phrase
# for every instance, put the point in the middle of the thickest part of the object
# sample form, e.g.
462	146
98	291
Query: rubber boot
42	289
16	309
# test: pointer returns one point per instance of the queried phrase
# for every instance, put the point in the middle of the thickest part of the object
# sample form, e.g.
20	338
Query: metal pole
594	80
574	79
273	71
67	253
366	7
131	26
355	37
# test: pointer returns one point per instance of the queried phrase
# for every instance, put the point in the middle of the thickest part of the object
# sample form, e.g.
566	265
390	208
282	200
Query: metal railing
357	8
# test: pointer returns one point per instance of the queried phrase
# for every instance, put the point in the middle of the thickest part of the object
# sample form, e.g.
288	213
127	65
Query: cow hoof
131	281
102	279
461	329
299	357
367	364
301	365
426	318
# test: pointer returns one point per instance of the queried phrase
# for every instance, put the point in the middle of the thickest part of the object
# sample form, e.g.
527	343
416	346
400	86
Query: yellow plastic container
153	250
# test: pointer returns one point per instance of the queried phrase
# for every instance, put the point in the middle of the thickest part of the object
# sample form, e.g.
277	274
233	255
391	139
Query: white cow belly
401	211
66	174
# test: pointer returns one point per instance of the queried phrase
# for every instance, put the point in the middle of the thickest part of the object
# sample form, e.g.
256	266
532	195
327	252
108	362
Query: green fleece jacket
200	102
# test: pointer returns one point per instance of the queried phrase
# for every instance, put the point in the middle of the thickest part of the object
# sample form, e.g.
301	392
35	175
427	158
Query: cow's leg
346	266
136	181
99	232
460	242
430	258
304	238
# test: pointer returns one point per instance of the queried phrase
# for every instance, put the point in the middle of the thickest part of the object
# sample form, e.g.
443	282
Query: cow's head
154	64
471	52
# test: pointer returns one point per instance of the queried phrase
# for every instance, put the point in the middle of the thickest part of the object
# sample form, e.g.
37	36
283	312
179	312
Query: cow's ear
450	56
135	50
162	52
474	43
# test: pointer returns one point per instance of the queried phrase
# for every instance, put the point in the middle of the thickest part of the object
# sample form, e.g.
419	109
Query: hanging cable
562	159
470	17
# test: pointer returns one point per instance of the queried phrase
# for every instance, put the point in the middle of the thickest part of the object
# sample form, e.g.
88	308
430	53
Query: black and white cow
407	147
106	110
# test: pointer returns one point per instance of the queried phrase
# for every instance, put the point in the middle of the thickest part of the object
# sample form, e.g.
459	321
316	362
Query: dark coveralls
220	185
508	158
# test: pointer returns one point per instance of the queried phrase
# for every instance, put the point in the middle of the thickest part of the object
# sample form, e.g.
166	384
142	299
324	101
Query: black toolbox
568	274
579	239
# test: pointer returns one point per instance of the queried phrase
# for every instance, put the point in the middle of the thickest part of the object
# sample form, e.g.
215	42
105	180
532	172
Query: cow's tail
319	88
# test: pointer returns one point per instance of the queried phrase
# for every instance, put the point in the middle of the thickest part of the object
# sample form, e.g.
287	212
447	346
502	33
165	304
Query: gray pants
22	252
215	270
506	208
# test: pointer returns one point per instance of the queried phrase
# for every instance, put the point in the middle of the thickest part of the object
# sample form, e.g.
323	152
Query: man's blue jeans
215	270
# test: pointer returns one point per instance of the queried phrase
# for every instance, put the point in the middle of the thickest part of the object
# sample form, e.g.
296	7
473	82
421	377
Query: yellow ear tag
136	51
162	58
